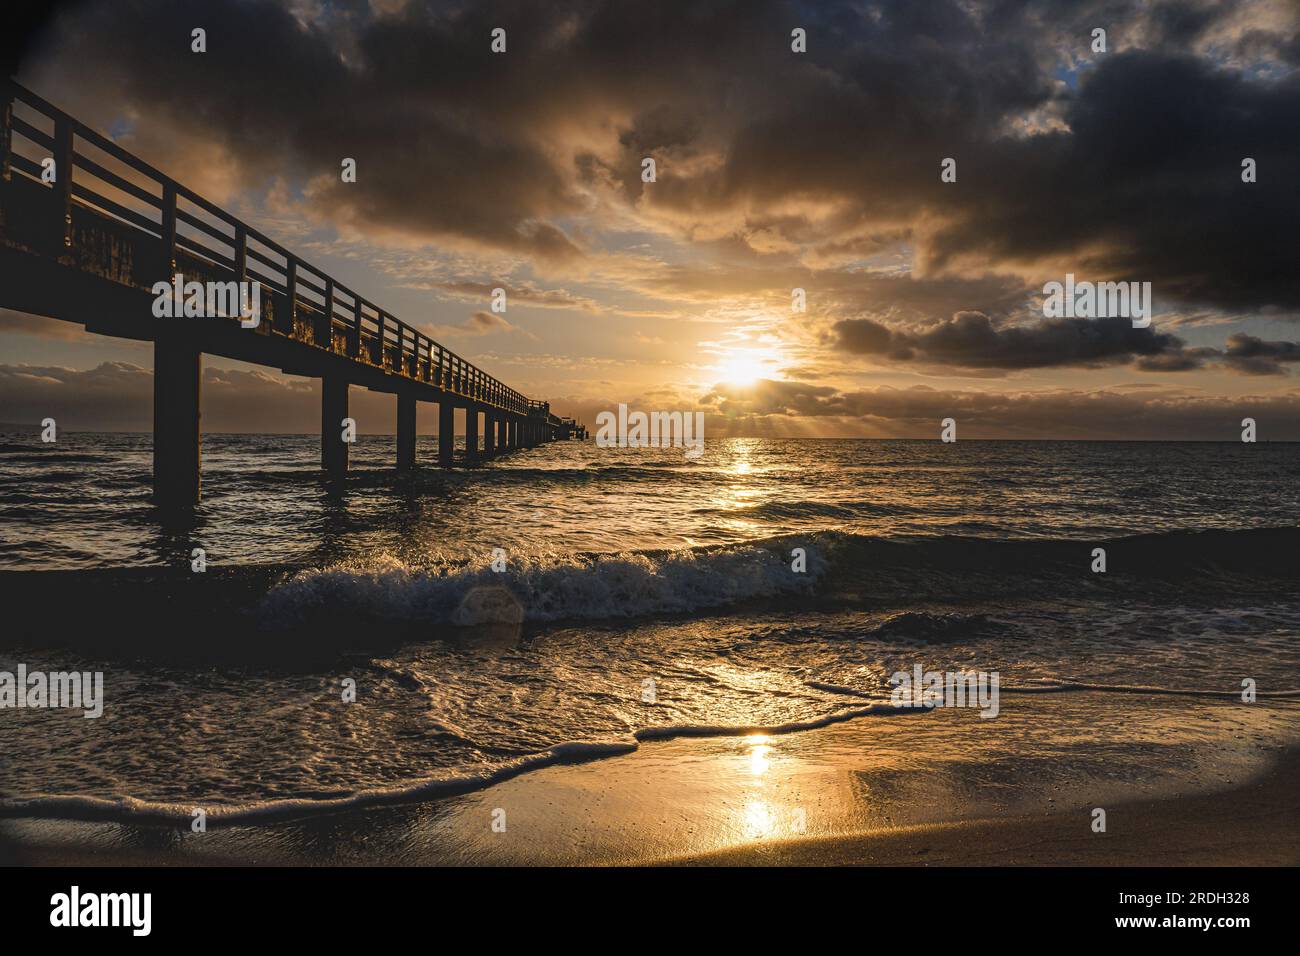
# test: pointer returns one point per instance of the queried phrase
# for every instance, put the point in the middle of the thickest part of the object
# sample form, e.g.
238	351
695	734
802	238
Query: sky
775	170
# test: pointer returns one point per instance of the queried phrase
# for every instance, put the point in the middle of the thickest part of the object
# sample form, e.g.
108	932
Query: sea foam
548	587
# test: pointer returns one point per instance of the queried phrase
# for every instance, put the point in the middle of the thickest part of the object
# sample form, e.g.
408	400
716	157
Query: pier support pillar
333	409
489	435
471	432
177	435
446	433
502	434
405	431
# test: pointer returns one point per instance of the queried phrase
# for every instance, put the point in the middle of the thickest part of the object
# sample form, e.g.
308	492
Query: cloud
1146	414
20	323
971	340
111	395
1129	171
118	396
775	171
525	293
480	323
1253	356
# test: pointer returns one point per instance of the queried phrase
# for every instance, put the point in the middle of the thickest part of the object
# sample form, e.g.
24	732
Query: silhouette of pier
87	239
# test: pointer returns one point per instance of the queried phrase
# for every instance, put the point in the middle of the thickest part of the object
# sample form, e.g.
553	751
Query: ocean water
636	595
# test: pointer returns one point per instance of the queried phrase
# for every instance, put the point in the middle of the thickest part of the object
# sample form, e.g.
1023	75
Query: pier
86	239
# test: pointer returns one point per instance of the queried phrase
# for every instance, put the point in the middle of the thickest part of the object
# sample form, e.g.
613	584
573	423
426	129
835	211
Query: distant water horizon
86	500
421	433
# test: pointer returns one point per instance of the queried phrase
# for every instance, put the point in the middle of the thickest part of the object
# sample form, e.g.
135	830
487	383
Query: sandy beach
935	789
1257	824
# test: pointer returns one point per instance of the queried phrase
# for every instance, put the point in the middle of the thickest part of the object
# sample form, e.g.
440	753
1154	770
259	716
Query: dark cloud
1133	172
1146	185
775	171
1253	356
440	149
971	340
1177	360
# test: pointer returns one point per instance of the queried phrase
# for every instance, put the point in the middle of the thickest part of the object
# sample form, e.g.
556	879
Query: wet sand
1254	825
944	789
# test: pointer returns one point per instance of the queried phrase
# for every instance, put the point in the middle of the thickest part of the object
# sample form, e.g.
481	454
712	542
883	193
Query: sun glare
743	367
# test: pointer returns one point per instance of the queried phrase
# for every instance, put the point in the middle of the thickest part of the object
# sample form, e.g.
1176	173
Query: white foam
546	588
1043	685
131	809
1047	685
791	727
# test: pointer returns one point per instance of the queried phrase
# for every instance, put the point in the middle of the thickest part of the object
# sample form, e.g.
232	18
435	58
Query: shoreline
870	792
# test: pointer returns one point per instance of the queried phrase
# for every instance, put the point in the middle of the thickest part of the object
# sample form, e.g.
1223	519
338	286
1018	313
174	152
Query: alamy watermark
923	688
207	300
75	908
1098	300
651	430
74	690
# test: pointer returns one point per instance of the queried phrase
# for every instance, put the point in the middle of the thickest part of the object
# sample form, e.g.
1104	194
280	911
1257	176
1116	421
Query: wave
126	809
845	510
1046	685
547	588
860	569
319	611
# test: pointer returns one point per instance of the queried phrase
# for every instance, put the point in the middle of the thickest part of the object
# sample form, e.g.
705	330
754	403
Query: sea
298	645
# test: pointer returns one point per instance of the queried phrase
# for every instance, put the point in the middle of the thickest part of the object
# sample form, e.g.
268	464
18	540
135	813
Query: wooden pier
90	246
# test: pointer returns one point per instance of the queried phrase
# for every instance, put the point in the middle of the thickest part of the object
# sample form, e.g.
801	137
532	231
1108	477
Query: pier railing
131	200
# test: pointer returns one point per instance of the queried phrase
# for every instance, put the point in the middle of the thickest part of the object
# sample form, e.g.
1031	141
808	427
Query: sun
742	368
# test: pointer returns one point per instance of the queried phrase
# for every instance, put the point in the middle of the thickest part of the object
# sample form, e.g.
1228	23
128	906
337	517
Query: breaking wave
548	588
599	586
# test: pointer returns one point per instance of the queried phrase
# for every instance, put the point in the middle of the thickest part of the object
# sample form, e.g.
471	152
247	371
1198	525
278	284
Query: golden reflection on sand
759	749
759	820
